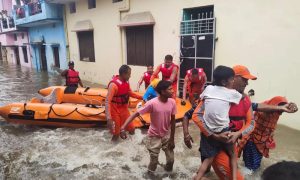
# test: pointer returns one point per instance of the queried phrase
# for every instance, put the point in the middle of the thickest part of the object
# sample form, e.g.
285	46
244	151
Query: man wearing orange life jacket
116	103
194	82
241	123
145	78
169	72
72	76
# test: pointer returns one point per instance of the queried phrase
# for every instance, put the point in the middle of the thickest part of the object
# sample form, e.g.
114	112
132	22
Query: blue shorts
251	156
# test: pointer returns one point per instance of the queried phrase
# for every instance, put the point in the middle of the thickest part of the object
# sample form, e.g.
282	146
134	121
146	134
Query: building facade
45	26
262	35
13	40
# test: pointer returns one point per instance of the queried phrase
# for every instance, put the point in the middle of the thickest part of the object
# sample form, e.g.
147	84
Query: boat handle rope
142	120
80	93
90	100
76	109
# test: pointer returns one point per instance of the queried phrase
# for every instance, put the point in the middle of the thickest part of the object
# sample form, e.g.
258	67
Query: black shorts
210	147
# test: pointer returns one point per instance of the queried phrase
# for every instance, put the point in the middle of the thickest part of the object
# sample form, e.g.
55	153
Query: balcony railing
7	24
34	8
4	23
34	13
11	22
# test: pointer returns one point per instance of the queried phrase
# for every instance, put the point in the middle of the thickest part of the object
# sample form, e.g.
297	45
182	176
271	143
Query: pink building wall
8	40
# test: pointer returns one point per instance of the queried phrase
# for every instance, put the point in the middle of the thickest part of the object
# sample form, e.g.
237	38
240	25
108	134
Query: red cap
240	70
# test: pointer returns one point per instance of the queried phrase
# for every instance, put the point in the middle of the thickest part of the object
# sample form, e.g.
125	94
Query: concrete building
13	39
262	35
44	23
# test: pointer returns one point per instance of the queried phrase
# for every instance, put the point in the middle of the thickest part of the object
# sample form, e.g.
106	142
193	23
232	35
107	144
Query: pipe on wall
123	9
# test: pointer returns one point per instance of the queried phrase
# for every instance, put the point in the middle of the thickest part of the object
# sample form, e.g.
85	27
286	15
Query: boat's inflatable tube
80	95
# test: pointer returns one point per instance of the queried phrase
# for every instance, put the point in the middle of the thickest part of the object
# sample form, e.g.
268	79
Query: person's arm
198	119
64	73
203	82
188	140
134	95
129	119
261	107
246	130
155	73
174	74
139	83
147	108
172	142
112	90
186	79
80	82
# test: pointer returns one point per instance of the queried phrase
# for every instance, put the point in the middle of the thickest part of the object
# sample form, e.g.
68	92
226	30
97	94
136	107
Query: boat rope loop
75	110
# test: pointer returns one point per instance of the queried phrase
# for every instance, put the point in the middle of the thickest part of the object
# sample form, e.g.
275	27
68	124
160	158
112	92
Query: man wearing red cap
241	123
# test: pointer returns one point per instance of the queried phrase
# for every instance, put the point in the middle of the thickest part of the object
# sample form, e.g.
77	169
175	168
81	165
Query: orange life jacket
238	112
263	133
146	78
196	85
72	77
122	97
167	72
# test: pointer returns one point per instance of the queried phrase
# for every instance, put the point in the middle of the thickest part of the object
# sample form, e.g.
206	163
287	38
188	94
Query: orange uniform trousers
119	114
221	165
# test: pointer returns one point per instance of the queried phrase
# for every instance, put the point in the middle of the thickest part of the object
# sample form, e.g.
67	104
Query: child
217	99
150	91
161	132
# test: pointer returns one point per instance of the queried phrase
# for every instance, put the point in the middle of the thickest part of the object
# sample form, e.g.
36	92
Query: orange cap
240	70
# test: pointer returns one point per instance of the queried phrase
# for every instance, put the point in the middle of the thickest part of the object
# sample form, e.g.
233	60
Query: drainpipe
66	33
29	49
125	8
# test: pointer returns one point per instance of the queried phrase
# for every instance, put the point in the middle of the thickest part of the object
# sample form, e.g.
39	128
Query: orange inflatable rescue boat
69	115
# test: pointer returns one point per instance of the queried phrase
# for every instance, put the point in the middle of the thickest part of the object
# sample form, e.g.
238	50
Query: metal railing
4	23
34	8
199	26
11	22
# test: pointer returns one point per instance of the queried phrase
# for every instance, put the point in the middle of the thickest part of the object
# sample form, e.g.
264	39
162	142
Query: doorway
43	58
24	49
197	41
16	51
56	57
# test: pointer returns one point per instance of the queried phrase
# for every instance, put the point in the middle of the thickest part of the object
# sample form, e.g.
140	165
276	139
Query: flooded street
29	152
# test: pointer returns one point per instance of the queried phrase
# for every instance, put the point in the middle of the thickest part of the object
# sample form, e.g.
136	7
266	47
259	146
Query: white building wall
262	35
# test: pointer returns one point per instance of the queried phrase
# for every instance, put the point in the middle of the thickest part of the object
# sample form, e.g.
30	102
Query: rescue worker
145	78
241	123
72	76
194	82
169	72
116	103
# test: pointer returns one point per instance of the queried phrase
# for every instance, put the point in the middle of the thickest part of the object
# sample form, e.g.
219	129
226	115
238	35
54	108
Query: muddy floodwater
29	152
